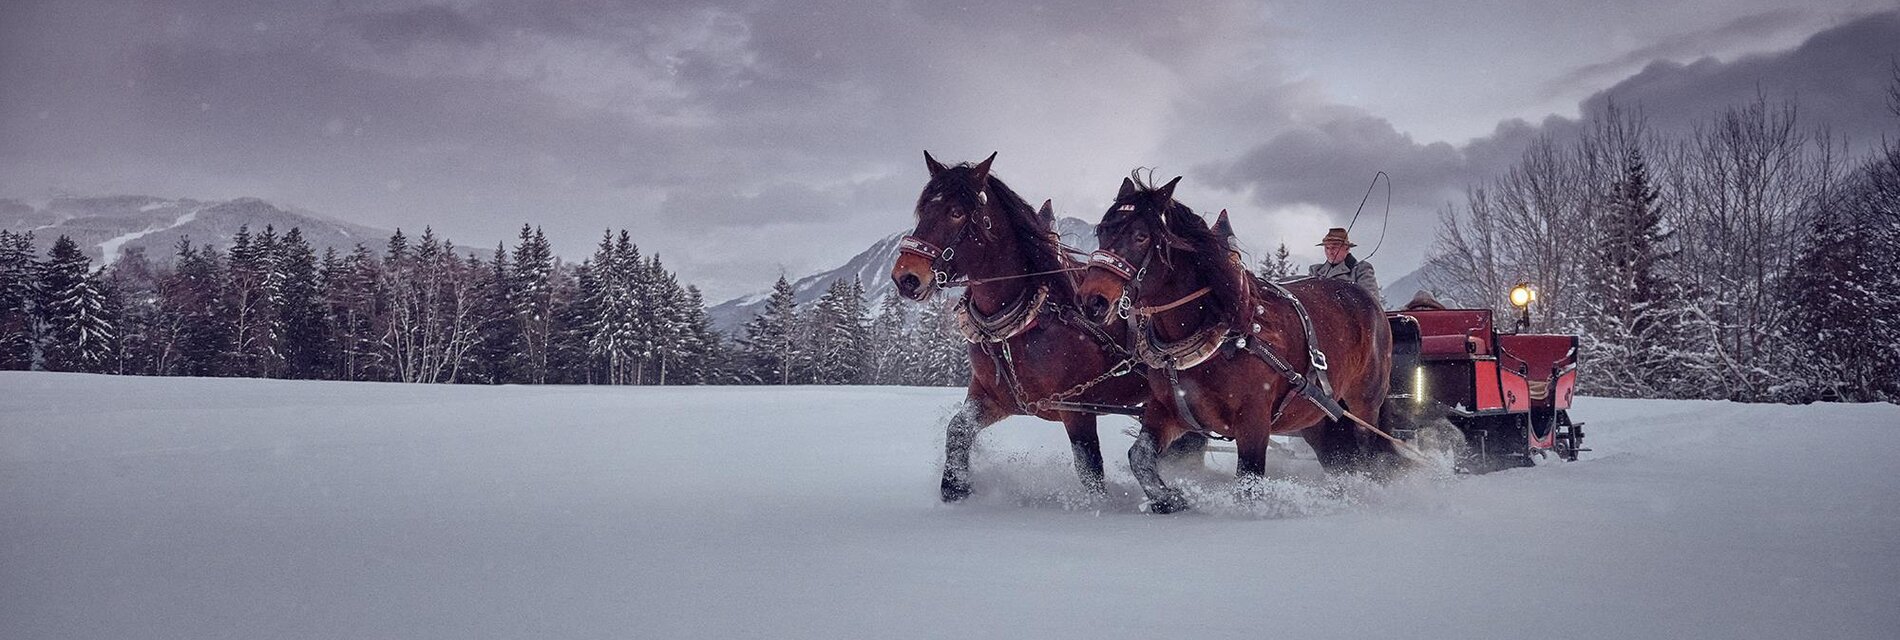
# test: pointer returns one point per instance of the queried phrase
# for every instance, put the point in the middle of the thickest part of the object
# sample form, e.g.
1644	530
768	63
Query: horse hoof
1168	503
955	491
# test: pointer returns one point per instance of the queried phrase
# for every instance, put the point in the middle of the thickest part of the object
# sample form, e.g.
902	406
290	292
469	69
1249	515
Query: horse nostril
908	284
1097	306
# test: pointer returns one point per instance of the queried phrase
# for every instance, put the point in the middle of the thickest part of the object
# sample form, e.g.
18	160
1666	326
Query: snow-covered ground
195	508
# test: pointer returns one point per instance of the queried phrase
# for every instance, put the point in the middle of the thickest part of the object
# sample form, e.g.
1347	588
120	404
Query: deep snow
197	508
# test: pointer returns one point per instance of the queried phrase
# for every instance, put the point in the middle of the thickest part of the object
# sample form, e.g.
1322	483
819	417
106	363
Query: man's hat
1335	235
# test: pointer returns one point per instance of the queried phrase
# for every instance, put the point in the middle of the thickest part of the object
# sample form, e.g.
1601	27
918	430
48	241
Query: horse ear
1048	210
932	164
1222	227
1128	189
981	172
1167	190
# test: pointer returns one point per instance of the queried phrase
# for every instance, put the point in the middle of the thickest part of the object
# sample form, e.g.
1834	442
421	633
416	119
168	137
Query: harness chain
1018	317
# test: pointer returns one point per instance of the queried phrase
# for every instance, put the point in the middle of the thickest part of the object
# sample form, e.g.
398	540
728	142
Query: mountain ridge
108	227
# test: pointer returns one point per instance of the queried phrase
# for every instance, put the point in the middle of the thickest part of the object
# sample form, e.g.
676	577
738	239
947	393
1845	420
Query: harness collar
1013	320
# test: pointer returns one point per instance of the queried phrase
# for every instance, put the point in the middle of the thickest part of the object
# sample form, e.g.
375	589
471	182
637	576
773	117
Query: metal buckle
1319	358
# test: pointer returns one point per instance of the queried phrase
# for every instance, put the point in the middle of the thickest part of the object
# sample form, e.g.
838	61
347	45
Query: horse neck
1183	321
1002	257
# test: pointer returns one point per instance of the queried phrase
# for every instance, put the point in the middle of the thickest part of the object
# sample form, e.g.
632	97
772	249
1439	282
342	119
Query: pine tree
770	342
247	304
353	292
834	336
670	325
700	347
193	330
72	308
131	287
532	284
943	355
600	309
1278	266
888	342
1844	294
1633	317
500	331
306	339
19	325
567	360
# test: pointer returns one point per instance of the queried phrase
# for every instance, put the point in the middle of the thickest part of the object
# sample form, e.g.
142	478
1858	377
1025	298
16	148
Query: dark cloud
1331	162
1744	30
1837	77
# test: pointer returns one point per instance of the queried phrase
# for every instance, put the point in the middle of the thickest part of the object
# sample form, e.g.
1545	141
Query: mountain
1399	292
106	227
871	267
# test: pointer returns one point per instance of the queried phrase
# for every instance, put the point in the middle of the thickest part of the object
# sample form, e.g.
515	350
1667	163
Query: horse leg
1251	471
1156	432
1381	456
1086	444
959	436
1334	443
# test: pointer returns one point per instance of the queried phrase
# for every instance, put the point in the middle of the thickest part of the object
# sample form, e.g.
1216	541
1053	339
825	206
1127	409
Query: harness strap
1198	293
1314	356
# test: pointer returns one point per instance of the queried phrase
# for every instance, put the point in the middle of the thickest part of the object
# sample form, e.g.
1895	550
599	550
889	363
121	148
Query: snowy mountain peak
111	226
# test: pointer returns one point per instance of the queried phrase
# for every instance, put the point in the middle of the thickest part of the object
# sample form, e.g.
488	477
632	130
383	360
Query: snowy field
199	509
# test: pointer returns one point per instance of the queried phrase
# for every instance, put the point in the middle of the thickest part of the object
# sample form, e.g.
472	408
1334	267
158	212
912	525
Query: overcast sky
744	139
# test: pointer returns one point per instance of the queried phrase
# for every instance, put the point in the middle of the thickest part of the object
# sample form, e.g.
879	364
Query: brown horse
1031	350
1210	333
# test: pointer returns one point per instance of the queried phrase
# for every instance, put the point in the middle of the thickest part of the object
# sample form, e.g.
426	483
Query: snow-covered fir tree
1844	293
836	336
770	343
532	289
302	316
249	305
943	356
1632	314
889	342
19	279
131	289
78	334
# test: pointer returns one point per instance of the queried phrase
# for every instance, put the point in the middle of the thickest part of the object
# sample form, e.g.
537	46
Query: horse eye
1141	237
956	212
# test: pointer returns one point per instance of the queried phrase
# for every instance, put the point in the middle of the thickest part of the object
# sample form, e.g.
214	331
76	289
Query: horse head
1152	246
956	217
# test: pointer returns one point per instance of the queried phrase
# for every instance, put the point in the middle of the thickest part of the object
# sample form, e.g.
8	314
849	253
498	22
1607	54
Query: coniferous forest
424	310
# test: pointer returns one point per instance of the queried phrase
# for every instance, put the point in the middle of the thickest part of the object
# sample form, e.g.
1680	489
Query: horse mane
1205	252
1033	233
